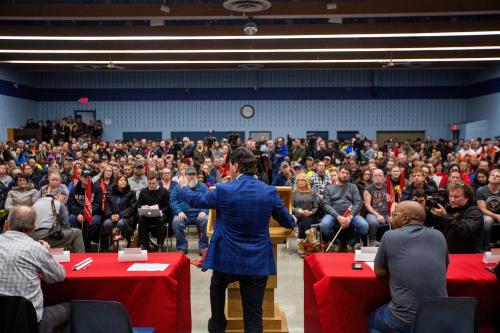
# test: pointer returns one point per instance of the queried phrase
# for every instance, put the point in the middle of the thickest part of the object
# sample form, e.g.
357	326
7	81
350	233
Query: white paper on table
147	267
370	264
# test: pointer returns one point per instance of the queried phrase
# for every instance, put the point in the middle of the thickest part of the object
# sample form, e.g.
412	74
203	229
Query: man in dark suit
240	248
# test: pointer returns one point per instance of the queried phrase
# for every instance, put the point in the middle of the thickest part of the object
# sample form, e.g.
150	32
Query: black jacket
77	198
159	197
407	192
127	208
462	229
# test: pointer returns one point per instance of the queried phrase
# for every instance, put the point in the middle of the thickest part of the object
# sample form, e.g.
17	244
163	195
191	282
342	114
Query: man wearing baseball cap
84	204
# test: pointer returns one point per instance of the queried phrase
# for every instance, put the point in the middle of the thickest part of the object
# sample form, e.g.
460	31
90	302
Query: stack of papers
147	267
492	257
365	254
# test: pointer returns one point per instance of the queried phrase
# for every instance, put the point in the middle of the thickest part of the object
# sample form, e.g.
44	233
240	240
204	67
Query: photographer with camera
462	221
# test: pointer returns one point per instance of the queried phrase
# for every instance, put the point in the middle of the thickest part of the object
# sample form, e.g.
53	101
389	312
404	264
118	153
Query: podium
273	317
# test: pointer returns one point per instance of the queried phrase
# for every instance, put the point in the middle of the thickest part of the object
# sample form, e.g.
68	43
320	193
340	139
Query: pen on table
84	266
81	264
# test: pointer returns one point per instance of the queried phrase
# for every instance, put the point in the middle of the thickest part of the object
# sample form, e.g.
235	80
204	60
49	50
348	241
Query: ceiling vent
250	66
246	6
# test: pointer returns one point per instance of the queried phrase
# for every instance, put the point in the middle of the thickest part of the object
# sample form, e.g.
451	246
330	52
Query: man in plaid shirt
320	180
22	261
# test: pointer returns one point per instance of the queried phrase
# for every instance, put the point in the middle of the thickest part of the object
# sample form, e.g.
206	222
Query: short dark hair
245	159
418	193
345	167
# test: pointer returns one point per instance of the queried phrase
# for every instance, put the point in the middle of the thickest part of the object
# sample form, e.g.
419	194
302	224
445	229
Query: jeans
304	224
252	290
178	225
382	320
107	227
89	231
358	223
373	225
487	226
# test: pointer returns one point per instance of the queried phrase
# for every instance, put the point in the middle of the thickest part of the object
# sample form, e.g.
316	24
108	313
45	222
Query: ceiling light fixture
283	61
308	50
264	37
250	28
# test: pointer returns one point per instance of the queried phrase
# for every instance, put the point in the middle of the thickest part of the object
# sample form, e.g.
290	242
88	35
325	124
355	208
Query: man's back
21	261
417	259
241	243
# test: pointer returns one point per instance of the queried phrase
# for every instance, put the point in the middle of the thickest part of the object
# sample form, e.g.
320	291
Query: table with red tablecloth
339	299
152	299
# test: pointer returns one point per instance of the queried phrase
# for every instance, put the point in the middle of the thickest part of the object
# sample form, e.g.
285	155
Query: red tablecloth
153	299
339	299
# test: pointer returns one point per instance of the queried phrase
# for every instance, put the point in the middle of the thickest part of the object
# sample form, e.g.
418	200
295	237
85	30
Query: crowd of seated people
97	187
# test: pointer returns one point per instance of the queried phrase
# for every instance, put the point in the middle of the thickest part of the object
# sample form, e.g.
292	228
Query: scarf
390	190
103	188
75	175
87	207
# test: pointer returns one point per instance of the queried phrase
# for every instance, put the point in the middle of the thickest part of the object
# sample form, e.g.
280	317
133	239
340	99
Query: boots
300	248
311	238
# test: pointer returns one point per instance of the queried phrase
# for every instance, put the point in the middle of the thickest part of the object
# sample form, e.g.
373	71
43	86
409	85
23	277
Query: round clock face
247	111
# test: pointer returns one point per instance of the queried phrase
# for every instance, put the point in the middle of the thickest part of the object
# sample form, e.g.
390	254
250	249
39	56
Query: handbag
56	231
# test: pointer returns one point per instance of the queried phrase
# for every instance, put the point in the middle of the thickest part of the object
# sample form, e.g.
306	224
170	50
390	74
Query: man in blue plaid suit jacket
240	248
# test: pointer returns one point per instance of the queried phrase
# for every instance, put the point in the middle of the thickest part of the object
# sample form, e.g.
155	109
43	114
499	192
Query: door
383	136
346	135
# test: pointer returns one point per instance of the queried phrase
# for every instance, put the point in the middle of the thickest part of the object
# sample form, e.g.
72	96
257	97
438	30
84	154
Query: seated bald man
415	259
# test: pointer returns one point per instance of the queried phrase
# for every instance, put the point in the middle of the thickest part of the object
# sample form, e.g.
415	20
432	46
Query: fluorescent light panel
308	50
284	61
256	37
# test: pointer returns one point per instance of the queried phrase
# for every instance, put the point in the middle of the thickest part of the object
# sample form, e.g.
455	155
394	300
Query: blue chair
102	317
446	315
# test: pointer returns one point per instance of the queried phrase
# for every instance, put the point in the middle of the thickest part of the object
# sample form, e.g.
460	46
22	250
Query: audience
32	170
488	201
461	221
153	196
50	210
120	211
185	215
341	204
304	208
375	199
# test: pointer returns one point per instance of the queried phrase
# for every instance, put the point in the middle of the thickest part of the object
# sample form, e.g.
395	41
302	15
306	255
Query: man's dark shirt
462	229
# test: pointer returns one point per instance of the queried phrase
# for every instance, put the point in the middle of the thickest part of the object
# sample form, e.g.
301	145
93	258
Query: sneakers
300	248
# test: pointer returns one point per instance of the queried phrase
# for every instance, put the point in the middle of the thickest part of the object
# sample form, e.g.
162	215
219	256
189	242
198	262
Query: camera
434	202
233	138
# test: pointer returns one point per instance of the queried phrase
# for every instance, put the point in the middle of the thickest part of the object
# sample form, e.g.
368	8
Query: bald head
408	212
22	219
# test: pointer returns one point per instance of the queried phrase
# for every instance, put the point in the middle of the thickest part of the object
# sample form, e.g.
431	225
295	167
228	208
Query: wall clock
247	111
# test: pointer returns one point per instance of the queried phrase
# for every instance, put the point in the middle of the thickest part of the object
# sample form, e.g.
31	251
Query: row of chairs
436	315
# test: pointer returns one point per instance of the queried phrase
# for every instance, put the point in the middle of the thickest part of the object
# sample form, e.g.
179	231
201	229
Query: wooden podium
273	317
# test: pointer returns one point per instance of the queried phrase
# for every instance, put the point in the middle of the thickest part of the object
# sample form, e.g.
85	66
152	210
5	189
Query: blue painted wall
279	116
418	108
14	111
485	107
